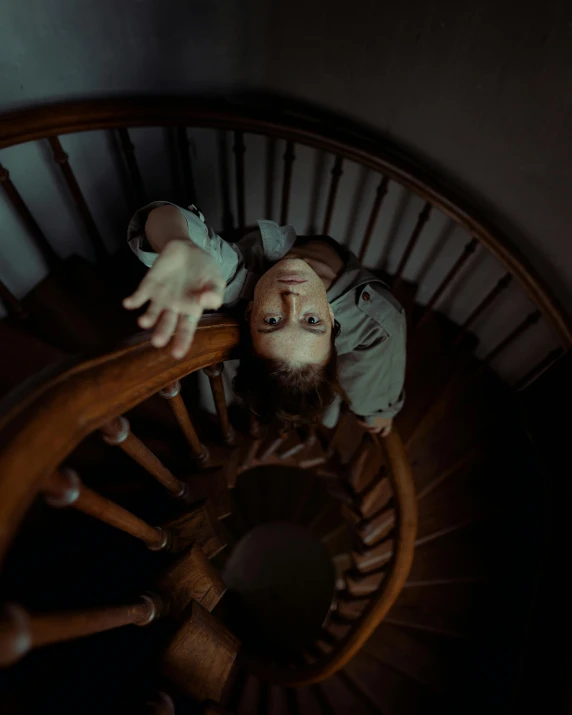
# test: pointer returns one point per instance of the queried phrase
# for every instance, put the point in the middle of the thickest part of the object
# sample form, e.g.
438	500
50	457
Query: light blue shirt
372	344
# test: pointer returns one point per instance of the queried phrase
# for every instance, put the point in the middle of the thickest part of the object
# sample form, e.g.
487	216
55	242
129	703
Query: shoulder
375	300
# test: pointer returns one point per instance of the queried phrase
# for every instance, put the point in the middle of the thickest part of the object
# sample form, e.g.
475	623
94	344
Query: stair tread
23	355
401	651
395	693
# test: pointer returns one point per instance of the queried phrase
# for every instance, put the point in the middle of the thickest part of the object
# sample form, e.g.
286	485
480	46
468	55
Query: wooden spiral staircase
429	530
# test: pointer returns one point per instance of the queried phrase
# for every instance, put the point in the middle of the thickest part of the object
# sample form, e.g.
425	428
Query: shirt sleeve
199	233
373	375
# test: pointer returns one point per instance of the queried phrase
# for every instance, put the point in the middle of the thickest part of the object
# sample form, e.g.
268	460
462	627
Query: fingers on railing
65	489
61	158
21	632
214	373
118	433
172	393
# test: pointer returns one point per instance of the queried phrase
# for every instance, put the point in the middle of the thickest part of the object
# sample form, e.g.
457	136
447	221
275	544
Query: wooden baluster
539	368
470	248
214	373
270	177
159	703
263	705
337	172
338	429
41	242
227	217
358	461
273	446
380	193
254	428
172	393
64	488
527	323
292	451
239	149
316	191
421	221
289	157
62	159
13	305
312	462
118	433
489	299
21	632
255	432
184	152
292	701
128	149
324	705
312	434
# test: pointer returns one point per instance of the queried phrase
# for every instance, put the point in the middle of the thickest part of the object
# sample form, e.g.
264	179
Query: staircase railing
405	506
295	127
47	421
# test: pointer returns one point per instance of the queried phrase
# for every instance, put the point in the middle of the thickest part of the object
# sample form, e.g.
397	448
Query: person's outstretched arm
182	282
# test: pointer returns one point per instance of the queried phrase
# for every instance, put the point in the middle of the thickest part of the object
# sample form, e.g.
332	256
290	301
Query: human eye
312	319
273	320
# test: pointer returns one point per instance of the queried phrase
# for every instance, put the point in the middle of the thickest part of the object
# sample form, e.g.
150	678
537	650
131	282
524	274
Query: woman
317	324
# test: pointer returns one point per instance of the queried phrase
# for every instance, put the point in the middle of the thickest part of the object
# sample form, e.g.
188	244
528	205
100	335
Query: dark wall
483	90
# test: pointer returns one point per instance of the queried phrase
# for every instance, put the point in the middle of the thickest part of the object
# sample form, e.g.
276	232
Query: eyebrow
274	328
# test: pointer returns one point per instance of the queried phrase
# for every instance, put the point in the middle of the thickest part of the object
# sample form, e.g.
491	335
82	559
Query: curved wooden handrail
351	142
401	478
48	422
43	428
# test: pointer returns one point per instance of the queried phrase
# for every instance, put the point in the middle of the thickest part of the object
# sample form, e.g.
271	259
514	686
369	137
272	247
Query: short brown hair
275	391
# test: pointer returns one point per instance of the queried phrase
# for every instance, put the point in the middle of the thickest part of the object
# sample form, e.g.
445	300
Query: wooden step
191	576
401	651
199	527
431	361
200	654
463	498
460	608
364	586
373	558
464	554
347	698
73	309
376	527
374	497
210	483
393	692
23	356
